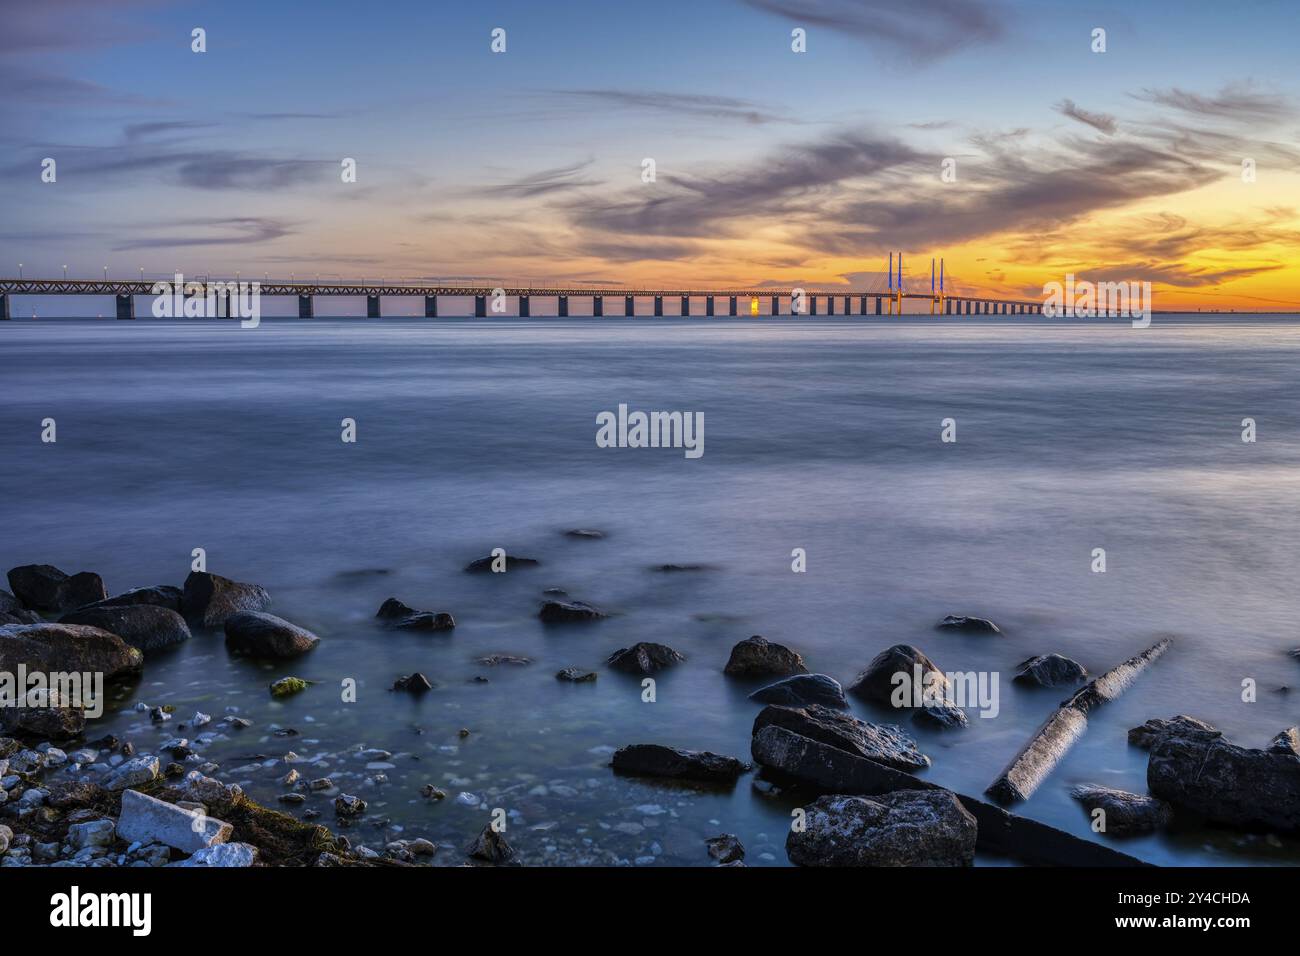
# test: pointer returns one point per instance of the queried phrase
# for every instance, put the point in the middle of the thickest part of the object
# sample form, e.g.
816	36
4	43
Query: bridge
760	301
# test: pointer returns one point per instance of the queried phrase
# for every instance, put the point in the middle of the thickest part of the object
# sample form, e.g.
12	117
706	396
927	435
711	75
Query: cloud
679	104
919	29
243	230
545	182
1238	102
1099	121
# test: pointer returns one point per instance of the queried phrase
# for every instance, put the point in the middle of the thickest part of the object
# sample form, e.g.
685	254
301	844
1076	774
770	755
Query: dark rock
644	658
886	745
584	533
75	794
393	609
53	722
941	714
904	828
1049	670
209	598
654	760
674	568
492	660
43	587
576	675
258	634
1125	813
726	848
801	690
346	805
758	657
823	767
1155	728
491	847
145	626
416	683
877	683
13	612
559	612
163	595
1199	770
484	565
67	647
971	625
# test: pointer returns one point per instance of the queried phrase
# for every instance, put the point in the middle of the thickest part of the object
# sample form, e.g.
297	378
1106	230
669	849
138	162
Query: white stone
132	773
149	820
223	854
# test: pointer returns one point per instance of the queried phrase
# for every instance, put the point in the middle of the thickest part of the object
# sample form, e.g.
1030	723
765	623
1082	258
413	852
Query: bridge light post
65	271
20	270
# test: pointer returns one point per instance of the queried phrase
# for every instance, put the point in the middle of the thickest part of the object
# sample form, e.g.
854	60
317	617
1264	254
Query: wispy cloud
1099	121
1239	102
543	183
680	104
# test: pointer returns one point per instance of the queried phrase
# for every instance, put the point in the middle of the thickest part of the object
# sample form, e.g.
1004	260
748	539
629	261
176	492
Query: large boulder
146	819
644	658
884	744
508	561
1049	670
654	760
1157	727
1199	770
258	634
824	767
903	828
802	690
1123	813
209	598
162	595
43	587
900	677
45	717
146	626
758	657
68	648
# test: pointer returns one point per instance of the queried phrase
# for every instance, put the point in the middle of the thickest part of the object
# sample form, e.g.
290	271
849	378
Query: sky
990	134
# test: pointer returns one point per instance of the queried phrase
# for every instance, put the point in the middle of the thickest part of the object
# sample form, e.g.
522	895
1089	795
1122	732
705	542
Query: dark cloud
1099	121
679	104
918	29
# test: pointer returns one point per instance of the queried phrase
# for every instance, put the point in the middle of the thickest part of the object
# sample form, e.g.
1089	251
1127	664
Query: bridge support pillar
125	307
848	305
708	305
525	307
659	305
306	307
430	306
372	307
562	306
686	305
830	305
597	305
480	306
947	306
4	308
776	305
878	305
629	306
812	304
731	306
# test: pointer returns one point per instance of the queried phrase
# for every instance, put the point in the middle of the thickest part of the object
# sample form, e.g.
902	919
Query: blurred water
820	434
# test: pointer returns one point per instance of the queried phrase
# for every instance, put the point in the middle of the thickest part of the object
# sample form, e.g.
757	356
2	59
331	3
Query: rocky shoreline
67	801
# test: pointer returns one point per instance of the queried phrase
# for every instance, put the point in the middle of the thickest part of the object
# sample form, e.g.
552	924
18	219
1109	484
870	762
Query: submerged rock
576	675
903	828
287	686
491	847
654	760
561	612
1201	771
493	660
584	533
146	626
1049	670
887	745
920	681
758	657
1156	727
67	648
802	690
416	683
346	805
43	587
399	615
971	625
644	658
674	568
510	563
1124	813
258	634
726	848
209	598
